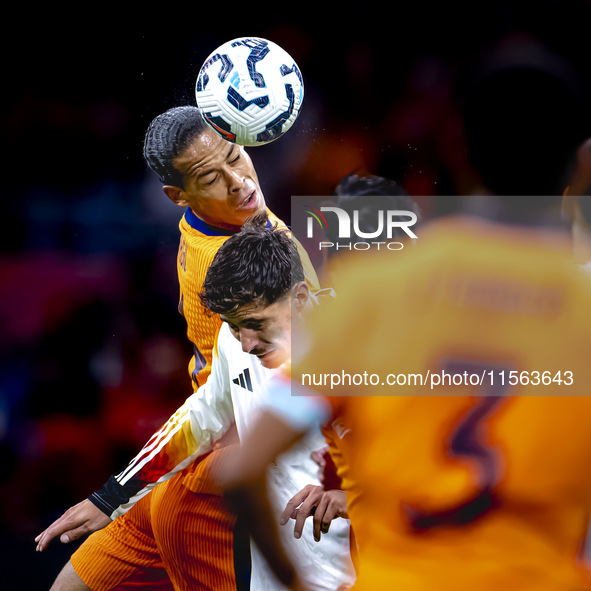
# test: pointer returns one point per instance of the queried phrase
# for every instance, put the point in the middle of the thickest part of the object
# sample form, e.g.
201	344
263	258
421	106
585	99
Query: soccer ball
250	91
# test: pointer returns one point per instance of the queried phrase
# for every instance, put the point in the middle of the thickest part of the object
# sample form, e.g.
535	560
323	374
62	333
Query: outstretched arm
191	432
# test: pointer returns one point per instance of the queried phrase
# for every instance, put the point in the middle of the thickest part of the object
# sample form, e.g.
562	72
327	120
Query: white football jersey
325	564
237	391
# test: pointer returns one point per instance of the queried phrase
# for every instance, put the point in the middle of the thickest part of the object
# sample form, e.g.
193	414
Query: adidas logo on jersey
243	380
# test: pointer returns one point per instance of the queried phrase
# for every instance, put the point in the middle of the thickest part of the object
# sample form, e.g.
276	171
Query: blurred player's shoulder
464	244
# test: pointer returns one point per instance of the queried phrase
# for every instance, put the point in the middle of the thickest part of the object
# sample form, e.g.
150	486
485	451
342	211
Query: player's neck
217	224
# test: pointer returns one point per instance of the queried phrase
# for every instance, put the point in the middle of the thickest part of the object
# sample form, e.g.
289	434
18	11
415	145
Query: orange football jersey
198	245
462	404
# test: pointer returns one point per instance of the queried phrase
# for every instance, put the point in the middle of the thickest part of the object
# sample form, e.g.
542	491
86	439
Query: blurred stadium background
92	349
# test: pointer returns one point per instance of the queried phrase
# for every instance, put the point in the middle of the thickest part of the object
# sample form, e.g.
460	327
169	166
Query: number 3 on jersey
466	441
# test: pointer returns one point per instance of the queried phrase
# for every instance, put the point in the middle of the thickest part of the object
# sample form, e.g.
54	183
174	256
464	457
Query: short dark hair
355	185
168	136
351	194
259	263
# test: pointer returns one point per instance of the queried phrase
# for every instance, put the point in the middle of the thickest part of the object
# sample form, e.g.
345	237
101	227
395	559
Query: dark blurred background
93	352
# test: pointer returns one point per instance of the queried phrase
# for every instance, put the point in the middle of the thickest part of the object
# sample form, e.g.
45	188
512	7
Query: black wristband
112	495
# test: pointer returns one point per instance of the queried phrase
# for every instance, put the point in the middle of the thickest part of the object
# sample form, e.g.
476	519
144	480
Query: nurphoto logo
367	229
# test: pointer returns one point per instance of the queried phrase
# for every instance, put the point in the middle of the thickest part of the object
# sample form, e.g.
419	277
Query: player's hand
77	521
323	505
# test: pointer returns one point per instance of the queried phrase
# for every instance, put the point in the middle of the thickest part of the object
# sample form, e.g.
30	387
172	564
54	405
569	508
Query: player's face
263	330
220	183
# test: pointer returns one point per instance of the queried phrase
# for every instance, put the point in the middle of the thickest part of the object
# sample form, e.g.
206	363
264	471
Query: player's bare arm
319	457
325	506
79	520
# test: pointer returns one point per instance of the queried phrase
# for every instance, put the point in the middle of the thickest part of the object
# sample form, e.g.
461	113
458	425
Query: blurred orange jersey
198	245
479	478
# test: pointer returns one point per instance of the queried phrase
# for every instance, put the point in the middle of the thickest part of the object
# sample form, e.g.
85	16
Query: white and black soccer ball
250	91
